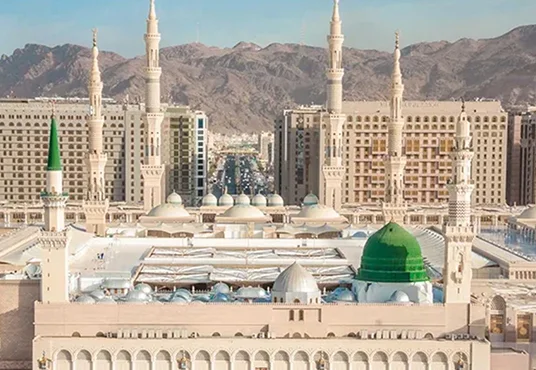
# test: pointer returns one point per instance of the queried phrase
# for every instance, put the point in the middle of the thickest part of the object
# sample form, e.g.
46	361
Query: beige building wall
428	138
16	322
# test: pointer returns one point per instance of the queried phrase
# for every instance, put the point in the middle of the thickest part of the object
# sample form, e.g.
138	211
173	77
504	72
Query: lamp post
43	363
183	362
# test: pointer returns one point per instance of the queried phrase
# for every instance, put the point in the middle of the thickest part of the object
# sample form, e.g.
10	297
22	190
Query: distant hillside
245	87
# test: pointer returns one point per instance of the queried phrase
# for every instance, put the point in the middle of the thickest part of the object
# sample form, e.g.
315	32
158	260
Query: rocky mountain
245	87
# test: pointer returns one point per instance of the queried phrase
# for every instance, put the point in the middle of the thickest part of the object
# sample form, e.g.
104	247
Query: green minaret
54	159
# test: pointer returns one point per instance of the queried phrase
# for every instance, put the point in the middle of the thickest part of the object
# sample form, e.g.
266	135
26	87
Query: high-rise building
184	145
521	167
266	147
302	148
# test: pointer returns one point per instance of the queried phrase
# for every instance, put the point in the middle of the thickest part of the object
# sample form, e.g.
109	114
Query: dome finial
463	104
397	39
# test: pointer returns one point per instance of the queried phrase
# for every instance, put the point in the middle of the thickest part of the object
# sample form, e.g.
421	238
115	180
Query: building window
301	315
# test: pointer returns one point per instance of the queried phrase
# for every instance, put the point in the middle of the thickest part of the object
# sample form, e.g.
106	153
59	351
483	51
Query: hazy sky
368	24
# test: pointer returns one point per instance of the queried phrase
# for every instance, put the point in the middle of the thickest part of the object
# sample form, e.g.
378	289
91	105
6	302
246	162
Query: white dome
106	300
242	199
251	293
399	297
275	200
295	279
528	214
226	200
85	299
136	296
178	299
169	210
310	199
209	200
174	198
318	211
221	288
259	200
146	288
244	211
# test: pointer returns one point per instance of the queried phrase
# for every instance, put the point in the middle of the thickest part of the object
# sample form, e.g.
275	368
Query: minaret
332	168
95	204
53	240
394	207
459	230
152	169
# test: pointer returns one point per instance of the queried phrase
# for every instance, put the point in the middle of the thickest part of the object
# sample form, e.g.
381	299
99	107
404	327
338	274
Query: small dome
202	298
275	200
399	297
85	299
174	198
169	210
392	255
183	293
343	295
251	293
97	294
209	200
242	199
244	211
310	200
295	279
106	300
226	200
146	288
528	214
178	299
221	288
318	211
259	200
220	297
136	296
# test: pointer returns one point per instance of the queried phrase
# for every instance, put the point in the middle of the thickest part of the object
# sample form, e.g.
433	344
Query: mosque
247	283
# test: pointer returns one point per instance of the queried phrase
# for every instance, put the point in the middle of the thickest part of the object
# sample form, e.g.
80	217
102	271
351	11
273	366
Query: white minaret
53	240
95	204
458	230
332	168
152	169
394	207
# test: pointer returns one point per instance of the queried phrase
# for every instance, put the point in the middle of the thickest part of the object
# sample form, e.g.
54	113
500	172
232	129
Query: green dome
392	255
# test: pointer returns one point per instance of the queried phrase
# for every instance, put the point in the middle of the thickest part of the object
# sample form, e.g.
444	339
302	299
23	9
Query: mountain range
244	88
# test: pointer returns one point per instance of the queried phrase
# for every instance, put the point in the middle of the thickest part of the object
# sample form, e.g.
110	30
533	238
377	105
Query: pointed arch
222	361
123	360
163	361
202	360
241	361
340	361
300	361
103	360
64	360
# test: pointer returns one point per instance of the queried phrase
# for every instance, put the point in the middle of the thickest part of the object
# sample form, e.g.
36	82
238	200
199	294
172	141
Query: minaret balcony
49	194
339	38
153	37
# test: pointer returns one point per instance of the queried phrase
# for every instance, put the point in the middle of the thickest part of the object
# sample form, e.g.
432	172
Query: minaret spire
95	204
332	168
53	240
459	230
53	197
395	164
152	169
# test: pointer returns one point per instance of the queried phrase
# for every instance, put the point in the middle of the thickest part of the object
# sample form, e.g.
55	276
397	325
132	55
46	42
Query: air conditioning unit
253	335
448	336
261	336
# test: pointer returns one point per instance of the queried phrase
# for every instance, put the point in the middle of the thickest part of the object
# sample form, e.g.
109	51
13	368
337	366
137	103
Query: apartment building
24	125
521	159
428	138
185	153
